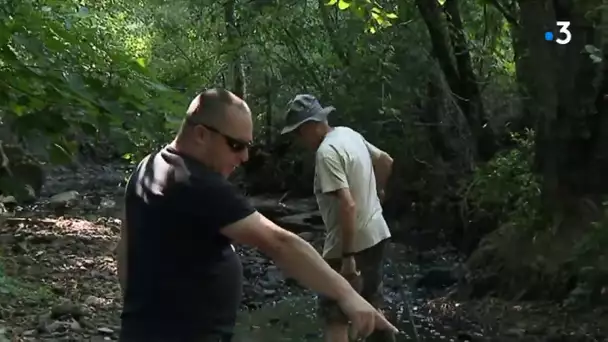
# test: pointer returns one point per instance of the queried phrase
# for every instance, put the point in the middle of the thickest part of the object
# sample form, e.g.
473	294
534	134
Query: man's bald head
217	131
212	107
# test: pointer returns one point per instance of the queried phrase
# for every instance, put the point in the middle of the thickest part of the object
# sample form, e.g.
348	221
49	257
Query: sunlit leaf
141	61
343	4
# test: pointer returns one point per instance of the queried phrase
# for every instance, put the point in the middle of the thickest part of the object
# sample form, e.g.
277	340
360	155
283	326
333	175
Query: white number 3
563	28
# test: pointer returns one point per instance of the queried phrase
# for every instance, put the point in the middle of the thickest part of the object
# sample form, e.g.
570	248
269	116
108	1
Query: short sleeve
217	203
330	170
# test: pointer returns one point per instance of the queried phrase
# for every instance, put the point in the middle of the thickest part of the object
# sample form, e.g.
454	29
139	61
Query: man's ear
200	133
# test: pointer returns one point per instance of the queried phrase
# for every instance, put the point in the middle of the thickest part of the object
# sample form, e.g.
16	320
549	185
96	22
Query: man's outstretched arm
300	260
295	256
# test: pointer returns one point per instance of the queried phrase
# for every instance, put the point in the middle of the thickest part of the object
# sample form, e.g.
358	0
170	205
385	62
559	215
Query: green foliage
63	78
10	287
591	248
370	11
506	186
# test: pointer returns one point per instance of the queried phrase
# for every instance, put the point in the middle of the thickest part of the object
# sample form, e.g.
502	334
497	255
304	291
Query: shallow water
293	318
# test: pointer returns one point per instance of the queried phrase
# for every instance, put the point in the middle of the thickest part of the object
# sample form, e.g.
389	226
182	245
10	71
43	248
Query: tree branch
509	16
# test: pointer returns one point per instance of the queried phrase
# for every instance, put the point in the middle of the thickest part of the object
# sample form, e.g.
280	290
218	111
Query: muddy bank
60	278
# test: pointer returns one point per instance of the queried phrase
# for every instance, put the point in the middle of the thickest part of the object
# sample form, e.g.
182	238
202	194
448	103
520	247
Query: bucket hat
304	108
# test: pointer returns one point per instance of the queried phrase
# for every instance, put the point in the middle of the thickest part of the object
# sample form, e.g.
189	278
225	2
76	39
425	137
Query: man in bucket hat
350	175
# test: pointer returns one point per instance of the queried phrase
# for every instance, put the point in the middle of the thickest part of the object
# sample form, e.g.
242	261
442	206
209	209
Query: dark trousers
370	263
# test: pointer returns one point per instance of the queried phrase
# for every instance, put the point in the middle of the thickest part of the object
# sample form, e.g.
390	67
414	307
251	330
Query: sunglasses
236	145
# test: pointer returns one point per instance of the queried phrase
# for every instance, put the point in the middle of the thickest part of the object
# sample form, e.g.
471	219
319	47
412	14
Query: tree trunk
450	48
236	72
564	87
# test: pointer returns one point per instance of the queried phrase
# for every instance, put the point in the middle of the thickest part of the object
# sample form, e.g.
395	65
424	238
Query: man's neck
324	134
183	148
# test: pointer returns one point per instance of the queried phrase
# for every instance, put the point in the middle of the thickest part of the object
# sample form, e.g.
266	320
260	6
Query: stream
287	312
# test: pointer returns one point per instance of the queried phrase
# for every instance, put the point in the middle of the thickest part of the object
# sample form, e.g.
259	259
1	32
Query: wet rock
64	199
274	275
308	236
515	332
67	309
274	208
310	221
105	331
8	200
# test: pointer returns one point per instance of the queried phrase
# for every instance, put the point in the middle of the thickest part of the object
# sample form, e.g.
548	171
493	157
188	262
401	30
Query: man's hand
349	266
364	317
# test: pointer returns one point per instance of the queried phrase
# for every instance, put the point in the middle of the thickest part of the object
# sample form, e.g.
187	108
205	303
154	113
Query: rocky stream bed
59	281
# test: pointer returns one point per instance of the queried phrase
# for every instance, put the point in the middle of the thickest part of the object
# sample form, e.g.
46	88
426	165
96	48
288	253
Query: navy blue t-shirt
184	280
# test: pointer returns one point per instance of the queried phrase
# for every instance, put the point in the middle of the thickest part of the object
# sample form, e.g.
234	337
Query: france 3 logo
564	35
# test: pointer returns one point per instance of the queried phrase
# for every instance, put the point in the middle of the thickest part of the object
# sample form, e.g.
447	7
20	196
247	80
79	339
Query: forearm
383	168
300	260
347	226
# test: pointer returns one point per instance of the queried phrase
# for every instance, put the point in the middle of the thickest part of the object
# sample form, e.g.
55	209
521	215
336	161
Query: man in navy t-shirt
180	276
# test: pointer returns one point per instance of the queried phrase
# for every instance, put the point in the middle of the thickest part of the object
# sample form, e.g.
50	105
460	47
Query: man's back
348	151
183	277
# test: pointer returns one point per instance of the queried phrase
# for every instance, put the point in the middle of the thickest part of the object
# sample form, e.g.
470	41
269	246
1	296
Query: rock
308	236
269	292
515	332
274	275
273	208
92	300
64	199
310	221
75	326
8	200
67	309
105	331
7	239
437	278
55	326
30	332
22	175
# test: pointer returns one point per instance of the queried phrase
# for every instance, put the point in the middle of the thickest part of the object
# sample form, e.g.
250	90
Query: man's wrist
348	255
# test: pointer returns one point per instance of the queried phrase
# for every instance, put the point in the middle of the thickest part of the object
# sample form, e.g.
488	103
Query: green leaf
595	59
391	16
331	2
342	4
141	61
18	109
441	2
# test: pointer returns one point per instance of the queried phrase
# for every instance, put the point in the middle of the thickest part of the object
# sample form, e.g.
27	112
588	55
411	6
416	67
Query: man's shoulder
340	142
